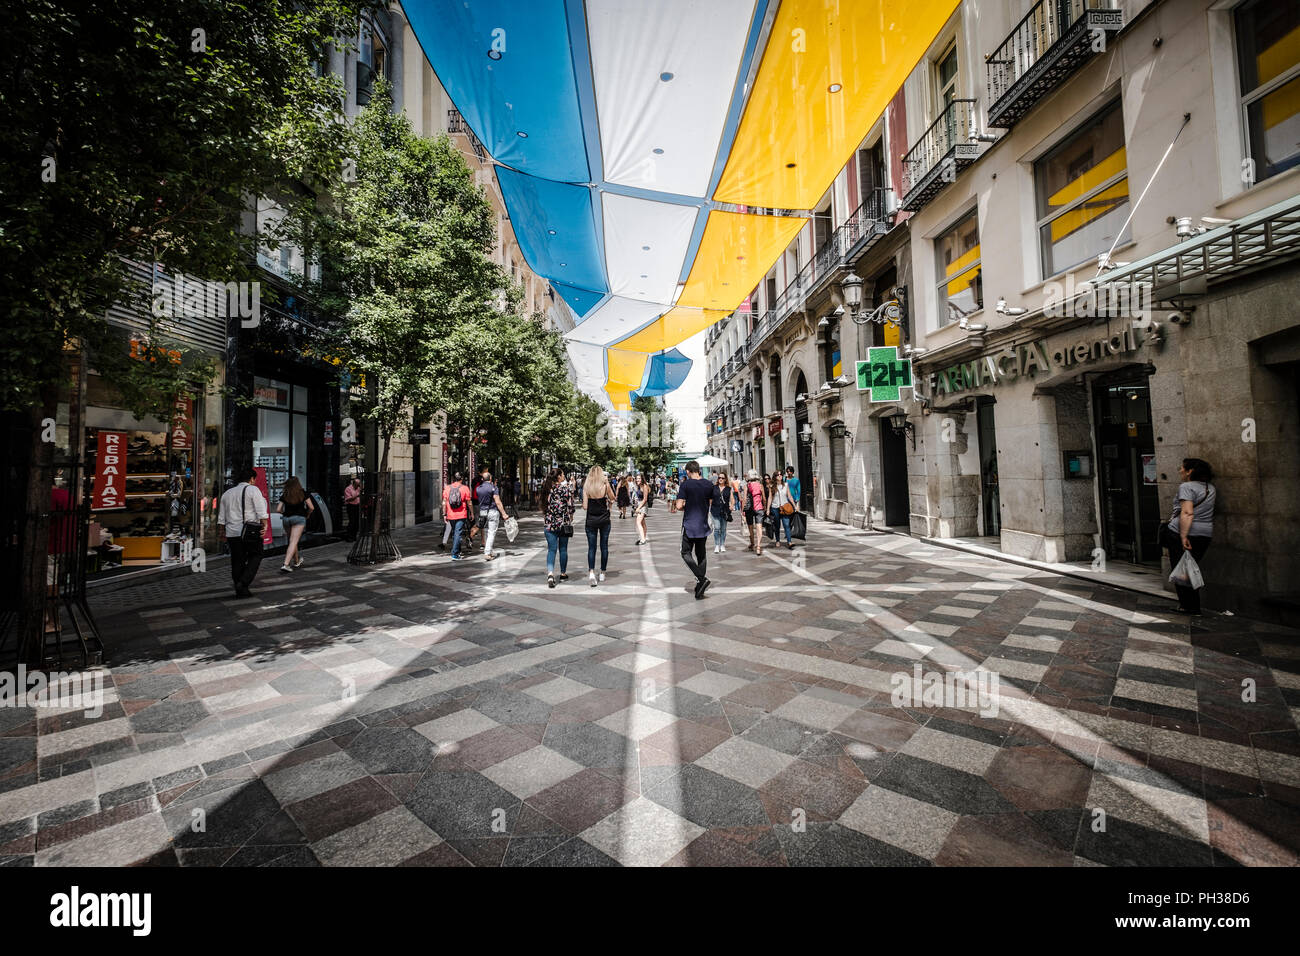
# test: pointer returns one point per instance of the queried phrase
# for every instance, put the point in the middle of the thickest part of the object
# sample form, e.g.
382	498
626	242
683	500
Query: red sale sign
182	423
260	484
110	472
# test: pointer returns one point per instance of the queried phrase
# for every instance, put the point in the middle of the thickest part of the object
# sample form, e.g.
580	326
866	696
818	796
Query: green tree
651	435
507	376
406	272
141	131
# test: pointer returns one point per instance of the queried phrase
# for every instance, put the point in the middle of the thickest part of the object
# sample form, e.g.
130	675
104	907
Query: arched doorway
803	446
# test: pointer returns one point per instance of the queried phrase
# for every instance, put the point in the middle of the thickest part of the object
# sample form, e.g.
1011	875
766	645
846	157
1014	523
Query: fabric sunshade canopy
620	128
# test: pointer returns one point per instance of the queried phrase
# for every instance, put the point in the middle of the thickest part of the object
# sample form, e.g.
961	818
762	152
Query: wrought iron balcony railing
456	124
1055	38
940	154
867	222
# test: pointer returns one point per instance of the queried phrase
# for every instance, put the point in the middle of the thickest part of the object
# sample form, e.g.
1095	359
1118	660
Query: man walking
693	500
796	489
243	505
455	511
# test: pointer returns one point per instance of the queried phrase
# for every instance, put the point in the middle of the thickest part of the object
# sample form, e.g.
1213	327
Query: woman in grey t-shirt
1191	525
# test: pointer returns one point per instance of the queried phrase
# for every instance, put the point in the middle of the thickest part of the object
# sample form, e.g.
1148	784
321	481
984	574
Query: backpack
453	496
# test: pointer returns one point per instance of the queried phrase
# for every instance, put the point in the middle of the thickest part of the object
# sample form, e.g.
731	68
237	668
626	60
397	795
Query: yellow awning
735	253
796	134
670	329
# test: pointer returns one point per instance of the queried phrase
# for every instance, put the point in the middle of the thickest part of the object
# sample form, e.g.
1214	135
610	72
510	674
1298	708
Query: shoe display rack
157	506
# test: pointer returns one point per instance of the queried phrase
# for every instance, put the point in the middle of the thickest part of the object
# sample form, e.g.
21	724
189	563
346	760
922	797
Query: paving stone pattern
430	713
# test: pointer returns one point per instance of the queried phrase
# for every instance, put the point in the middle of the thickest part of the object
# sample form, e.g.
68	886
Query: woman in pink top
755	501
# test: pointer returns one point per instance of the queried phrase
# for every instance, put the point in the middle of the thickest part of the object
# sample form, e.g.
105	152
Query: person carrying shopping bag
1190	526
490	510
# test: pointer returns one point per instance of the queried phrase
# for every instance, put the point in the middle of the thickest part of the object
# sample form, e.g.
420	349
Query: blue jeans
557	542
601	534
719	531
785	523
457	526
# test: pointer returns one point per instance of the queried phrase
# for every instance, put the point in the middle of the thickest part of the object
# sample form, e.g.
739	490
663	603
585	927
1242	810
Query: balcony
456	124
943	151
1054	40
867	223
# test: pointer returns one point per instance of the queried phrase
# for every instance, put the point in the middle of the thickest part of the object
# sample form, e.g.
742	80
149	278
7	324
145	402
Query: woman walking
597	496
755	500
1191	525
624	496
770	522
557	523
639	495
720	512
295	506
783	508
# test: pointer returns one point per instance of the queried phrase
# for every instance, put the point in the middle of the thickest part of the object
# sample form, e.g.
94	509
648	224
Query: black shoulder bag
250	534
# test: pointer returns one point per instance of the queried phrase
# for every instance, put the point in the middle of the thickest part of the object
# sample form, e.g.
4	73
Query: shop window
281	443
960	286
1268	57
1082	193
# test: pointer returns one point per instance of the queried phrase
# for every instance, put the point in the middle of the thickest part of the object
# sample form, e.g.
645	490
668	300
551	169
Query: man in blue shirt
693	500
796	490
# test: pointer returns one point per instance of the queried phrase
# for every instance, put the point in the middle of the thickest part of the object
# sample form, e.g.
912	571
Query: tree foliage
141	130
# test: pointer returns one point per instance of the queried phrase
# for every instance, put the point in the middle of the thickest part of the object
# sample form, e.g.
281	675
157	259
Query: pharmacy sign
884	374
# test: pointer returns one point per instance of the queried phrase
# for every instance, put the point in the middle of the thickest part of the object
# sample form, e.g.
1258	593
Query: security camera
967	326
1179	318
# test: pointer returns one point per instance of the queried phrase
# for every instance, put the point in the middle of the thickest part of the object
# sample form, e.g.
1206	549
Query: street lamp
851	286
889	312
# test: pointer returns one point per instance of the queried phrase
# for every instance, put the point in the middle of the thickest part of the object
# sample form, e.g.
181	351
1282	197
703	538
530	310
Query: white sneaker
716	549
602	577
591	576
723	549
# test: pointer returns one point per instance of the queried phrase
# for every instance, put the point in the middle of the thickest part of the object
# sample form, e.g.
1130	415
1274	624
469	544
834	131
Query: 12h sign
884	374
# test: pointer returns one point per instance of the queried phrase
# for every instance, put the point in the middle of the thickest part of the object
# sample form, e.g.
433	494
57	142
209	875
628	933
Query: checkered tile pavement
425	713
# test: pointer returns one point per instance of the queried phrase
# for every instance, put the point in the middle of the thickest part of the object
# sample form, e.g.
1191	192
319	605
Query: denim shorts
294	520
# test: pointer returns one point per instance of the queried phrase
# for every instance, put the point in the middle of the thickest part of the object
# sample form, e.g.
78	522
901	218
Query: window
885	288
960	287
821	226
871	174
831	365
1082	188
1268	56
945	79
372	60
839	466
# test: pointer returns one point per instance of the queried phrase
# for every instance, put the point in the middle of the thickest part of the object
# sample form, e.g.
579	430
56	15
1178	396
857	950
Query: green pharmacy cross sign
884	374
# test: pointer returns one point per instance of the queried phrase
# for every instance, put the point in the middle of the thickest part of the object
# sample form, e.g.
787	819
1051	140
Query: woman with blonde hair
597	496
295	505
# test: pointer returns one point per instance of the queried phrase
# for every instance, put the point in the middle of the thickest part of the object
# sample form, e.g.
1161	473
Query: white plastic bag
1187	573
512	528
